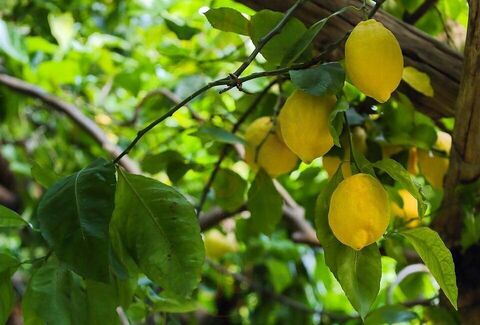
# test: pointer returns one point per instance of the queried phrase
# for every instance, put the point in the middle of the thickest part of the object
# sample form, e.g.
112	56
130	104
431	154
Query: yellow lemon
434	168
304	124
218	245
266	149
373	60
331	163
359	211
409	212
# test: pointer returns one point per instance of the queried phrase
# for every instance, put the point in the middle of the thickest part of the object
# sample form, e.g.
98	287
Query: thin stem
378	4
265	39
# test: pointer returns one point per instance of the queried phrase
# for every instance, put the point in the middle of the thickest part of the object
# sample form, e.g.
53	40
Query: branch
72	112
419	12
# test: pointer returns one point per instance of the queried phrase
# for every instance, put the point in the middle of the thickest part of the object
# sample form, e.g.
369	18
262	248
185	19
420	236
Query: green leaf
229	190
8	265
11	43
228	20
158	228
359	274
336	120
44	176
321	80
183	31
155	163
263	22
280	274
390	314
264	204
173	304
9	218
74	215
436	257
54	296
62	28
214	133
401	175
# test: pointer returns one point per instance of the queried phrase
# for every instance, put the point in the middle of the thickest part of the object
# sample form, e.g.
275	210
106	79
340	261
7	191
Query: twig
378	4
226	148
419	12
72	112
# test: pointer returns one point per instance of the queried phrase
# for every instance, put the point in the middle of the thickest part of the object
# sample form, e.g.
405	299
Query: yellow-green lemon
359	211
218	245
373	60
304	124
409	212
265	148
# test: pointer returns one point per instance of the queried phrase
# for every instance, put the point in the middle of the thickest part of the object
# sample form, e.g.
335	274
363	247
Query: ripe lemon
218	245
331	163
409	212
359	211
304	124
266	149
373	60
433	167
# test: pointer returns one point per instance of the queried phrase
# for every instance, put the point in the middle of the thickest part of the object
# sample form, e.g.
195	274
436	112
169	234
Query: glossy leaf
436	257
9	218
74	215
159	232
321	80
264	204
228	20
214	133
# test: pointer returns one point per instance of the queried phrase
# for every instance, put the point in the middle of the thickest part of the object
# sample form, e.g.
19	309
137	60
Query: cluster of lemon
359	208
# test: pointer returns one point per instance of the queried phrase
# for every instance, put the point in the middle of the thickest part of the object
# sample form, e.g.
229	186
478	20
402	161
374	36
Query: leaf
8	265
214	133
11	43
183	31
401	175
264	204
359	274
44	176
155	163
9	218
390	314
420	81
62	28
436	257
74	215
336	120
321	80
174	304
228	20
280	275
158	228
263	22
54	296
229	190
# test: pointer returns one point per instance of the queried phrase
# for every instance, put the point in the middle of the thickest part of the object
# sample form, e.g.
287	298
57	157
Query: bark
464	169
421	51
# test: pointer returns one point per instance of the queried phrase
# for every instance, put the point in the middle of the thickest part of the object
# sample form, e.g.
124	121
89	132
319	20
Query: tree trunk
421	51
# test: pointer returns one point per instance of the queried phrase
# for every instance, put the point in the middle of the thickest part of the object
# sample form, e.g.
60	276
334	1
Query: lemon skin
359	211
409	212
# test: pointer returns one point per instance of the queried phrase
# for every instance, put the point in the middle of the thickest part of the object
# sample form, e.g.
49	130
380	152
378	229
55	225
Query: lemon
304	124
218	245
359	137
409	212
373	60
264	148
331	163
359	211
433	167
412	164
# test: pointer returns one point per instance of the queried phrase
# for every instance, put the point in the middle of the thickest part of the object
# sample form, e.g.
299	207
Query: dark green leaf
8	265
54	296
228	20
390	314
263	22
44	176
229	190
321	80
158	228
183	31
336	120
155	163
264	203
214	133
436	257
9	218
74	215
401	175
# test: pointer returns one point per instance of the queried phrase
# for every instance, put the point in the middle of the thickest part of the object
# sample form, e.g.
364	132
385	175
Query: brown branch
72	112
419	12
